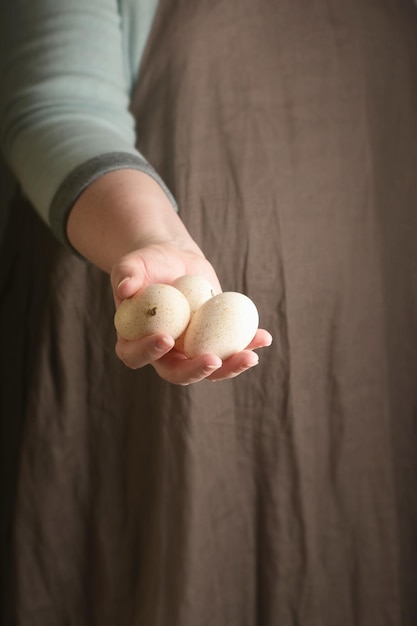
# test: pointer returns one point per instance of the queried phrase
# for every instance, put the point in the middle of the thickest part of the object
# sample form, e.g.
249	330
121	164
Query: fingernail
123	281
253	363
162	345
209	369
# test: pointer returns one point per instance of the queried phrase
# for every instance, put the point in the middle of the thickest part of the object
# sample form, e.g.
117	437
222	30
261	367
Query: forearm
64	96
123	211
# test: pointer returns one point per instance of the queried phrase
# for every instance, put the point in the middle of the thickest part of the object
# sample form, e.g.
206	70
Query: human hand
124	224
163	263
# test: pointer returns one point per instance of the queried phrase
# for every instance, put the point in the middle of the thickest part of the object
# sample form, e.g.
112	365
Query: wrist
122	211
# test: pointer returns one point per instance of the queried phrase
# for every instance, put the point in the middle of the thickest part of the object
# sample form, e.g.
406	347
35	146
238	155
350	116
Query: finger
127	277
244	360
177	369
236	365
126	287
262	339
141	352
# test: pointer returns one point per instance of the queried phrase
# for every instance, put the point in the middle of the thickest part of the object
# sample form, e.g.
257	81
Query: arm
64	99
124	223
69	138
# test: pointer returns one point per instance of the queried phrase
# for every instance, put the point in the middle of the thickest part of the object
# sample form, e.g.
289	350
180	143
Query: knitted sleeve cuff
83	175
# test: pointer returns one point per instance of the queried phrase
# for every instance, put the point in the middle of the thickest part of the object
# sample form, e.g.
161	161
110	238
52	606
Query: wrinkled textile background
288	134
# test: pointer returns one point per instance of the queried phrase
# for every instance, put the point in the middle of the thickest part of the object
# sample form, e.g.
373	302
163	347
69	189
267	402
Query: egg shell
154	309
195	288
223	325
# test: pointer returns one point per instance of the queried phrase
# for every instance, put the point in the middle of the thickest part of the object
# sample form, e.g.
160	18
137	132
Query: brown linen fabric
287	132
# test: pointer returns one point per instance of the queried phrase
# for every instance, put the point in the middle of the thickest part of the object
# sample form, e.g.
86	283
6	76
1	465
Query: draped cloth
287	132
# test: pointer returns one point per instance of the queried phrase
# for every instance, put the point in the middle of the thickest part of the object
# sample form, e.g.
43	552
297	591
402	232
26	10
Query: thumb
127	277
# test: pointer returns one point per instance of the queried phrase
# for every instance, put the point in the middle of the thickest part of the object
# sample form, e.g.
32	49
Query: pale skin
125	225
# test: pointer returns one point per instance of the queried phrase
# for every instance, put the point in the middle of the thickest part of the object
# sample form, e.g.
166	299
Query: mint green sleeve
64	102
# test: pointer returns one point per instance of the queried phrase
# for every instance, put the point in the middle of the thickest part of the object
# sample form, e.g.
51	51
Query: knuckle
124	357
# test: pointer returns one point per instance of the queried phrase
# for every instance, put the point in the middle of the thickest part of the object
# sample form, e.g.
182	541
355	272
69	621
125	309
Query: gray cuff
83	175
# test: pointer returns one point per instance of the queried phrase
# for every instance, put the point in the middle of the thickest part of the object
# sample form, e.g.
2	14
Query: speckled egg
223	325
154	309
195	288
